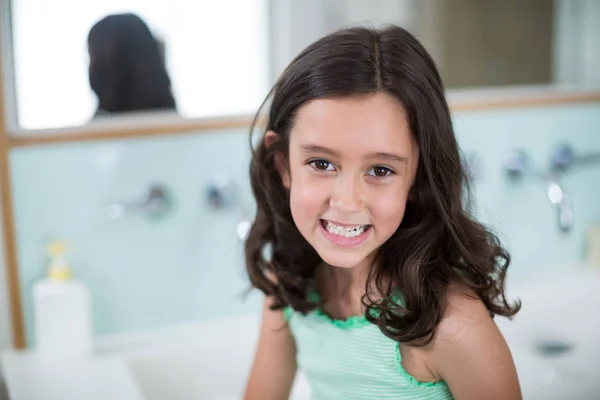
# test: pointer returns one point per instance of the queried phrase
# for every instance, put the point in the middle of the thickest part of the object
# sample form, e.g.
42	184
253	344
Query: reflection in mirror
215	54
222	56
127	72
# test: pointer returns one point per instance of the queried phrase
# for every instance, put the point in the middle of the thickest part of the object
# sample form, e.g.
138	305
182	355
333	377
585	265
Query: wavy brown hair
437	243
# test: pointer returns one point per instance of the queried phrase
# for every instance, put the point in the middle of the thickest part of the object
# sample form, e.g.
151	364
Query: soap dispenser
593	246
61	310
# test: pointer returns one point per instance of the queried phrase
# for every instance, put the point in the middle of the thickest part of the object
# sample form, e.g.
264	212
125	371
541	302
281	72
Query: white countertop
31	377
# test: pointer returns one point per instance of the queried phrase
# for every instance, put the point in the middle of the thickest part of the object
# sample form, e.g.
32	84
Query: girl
387	285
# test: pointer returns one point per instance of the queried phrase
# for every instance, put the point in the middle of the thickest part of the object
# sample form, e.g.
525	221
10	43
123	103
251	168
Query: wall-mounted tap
223	194
562	160
156	203
518	167
563	203
516	164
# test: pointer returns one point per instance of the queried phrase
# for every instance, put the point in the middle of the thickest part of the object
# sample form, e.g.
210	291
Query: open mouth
344	231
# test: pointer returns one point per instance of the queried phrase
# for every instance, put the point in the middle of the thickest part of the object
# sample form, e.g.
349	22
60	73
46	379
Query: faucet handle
562	158
222	193
517	163
156	203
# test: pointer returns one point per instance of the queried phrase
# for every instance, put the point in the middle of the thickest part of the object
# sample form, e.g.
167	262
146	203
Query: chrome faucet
562	160
563	203
223	194
156	203
518	166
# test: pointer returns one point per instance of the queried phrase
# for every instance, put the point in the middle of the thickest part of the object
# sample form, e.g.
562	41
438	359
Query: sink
211	361
555	338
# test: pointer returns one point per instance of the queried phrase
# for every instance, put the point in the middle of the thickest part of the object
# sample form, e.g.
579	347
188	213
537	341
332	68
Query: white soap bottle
62	313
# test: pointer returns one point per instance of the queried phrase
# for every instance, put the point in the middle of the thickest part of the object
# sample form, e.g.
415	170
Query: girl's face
352	162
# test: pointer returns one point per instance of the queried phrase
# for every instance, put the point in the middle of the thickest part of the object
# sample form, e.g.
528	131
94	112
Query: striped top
352	359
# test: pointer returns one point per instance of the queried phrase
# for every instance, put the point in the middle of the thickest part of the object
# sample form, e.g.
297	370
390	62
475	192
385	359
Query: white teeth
349	231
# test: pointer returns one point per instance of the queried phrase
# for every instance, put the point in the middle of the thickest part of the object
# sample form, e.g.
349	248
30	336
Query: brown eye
381	172
321	165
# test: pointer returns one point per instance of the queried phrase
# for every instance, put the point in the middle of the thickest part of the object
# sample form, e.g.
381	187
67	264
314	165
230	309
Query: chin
342	259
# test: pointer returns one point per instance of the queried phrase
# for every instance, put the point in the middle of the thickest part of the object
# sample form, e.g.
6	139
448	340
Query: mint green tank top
352	359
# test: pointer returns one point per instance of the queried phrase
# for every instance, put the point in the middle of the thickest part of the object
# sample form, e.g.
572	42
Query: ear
280	163
270	138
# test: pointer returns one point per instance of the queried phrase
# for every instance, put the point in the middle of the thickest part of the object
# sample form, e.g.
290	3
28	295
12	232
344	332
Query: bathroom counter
31	377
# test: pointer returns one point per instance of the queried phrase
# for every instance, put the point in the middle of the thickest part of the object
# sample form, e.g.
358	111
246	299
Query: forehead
367	124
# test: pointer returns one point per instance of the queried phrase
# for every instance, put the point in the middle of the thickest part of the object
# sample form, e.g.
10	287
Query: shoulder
469	352
465	329
465	315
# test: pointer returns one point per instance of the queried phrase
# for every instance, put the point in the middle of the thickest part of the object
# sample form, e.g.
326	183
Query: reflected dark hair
127	70
437	242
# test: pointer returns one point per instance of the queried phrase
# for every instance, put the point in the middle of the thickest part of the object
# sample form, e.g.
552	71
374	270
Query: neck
348	281
343	288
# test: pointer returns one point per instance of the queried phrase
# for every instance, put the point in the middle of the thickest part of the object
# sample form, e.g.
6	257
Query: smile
345	231
344	235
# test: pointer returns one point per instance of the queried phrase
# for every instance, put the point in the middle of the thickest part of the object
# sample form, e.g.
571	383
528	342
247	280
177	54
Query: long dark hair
127	70
437	243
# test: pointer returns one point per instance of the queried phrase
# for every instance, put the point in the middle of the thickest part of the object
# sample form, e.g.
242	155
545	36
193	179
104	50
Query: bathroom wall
189	265
521	212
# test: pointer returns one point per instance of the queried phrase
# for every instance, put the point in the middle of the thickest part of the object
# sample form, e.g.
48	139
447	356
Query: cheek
307	197
388	208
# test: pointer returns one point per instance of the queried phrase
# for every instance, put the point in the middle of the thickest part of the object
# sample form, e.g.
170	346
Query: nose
347	196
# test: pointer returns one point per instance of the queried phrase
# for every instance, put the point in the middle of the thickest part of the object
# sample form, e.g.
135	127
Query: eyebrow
312	148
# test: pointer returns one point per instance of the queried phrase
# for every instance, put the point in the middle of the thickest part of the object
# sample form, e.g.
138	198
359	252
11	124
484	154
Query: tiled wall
142	273
189	265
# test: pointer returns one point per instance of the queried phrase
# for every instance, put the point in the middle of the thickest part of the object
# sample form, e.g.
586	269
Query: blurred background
153	201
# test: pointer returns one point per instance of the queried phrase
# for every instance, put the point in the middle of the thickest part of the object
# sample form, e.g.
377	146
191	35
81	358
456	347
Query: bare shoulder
469	352
465	315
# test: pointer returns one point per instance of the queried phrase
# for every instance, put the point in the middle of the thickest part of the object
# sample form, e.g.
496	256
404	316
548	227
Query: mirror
222	56
215	55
